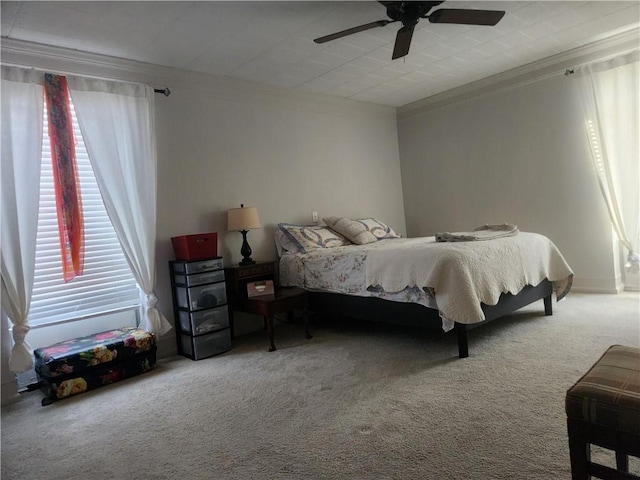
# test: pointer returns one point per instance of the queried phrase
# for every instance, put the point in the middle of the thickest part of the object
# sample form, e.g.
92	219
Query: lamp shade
244	218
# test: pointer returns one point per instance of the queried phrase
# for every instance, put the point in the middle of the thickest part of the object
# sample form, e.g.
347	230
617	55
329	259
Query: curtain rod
165	91
619	55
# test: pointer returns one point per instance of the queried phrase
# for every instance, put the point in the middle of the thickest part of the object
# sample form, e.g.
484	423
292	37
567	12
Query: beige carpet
362	401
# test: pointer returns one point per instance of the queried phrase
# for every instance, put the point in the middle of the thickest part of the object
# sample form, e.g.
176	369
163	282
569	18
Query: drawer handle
207	277
206	267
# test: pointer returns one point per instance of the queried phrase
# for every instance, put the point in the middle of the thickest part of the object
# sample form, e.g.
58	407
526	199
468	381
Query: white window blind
107	284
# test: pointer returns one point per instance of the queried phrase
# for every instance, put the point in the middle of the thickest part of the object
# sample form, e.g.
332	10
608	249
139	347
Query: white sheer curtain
118	127
22	104
609	91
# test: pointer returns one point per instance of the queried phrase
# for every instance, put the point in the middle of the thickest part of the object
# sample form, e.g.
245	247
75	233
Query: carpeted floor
358	401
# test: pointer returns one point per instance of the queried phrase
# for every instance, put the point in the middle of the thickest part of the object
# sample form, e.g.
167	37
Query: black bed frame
373	308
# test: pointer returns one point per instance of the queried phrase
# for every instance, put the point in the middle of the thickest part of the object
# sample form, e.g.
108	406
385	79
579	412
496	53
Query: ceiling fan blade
466	17
349	31
403	42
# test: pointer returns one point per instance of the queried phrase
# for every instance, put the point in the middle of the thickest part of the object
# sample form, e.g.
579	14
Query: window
107	284
609	91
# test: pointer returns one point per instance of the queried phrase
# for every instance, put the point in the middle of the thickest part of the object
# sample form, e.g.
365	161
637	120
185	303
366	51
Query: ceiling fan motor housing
409	13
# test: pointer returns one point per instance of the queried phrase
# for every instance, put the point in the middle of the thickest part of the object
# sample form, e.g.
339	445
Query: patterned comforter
344	270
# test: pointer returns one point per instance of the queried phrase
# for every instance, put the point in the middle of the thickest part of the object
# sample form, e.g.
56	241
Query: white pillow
374	226
353	230
308	237
378	228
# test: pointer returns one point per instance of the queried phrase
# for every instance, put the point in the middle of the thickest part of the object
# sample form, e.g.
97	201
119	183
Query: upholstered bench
84	363
603	408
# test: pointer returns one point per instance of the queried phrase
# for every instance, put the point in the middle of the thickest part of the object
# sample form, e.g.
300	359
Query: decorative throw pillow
308	237
378	228
353	230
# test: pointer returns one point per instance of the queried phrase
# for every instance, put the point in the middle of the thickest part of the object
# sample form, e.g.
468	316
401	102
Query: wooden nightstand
281	301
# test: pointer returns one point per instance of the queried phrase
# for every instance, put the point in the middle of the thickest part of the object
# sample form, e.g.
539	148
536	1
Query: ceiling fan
410	13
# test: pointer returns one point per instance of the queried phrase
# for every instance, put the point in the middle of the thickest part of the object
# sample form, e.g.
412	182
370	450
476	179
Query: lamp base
245	251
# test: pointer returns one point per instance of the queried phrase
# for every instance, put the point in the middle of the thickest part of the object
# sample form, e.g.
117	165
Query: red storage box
201	246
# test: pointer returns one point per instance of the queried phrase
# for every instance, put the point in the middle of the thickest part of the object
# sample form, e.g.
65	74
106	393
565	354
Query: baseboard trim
594	290
597	285
167	346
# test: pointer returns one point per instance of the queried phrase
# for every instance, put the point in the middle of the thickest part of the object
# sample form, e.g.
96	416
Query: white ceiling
272	42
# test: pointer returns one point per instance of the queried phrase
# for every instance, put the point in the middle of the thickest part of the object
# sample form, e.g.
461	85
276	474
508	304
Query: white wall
518	156
287	156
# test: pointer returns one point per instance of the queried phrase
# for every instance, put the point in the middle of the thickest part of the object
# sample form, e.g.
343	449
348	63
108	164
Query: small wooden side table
281	301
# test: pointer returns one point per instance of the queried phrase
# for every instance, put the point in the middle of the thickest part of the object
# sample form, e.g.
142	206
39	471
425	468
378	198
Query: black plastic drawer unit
200	307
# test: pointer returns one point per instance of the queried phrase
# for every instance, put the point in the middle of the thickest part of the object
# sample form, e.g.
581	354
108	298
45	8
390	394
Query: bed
460	284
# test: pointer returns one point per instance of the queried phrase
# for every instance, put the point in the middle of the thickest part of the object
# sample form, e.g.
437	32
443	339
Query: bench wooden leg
579	454
622	461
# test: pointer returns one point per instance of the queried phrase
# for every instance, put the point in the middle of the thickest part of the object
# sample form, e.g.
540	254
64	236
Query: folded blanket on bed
483	232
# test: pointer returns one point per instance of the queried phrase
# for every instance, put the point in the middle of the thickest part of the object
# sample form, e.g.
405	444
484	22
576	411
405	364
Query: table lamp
241	220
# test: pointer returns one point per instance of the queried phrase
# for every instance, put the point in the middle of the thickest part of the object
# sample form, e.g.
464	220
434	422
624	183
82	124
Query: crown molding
76	62
72	61
531	72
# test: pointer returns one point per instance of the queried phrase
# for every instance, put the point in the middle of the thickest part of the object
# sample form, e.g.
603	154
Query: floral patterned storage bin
82	364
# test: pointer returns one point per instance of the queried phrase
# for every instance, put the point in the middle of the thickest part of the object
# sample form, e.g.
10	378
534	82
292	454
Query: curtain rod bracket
165	91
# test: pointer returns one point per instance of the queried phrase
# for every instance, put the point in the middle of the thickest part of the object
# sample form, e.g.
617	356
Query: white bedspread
465	274
439	279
